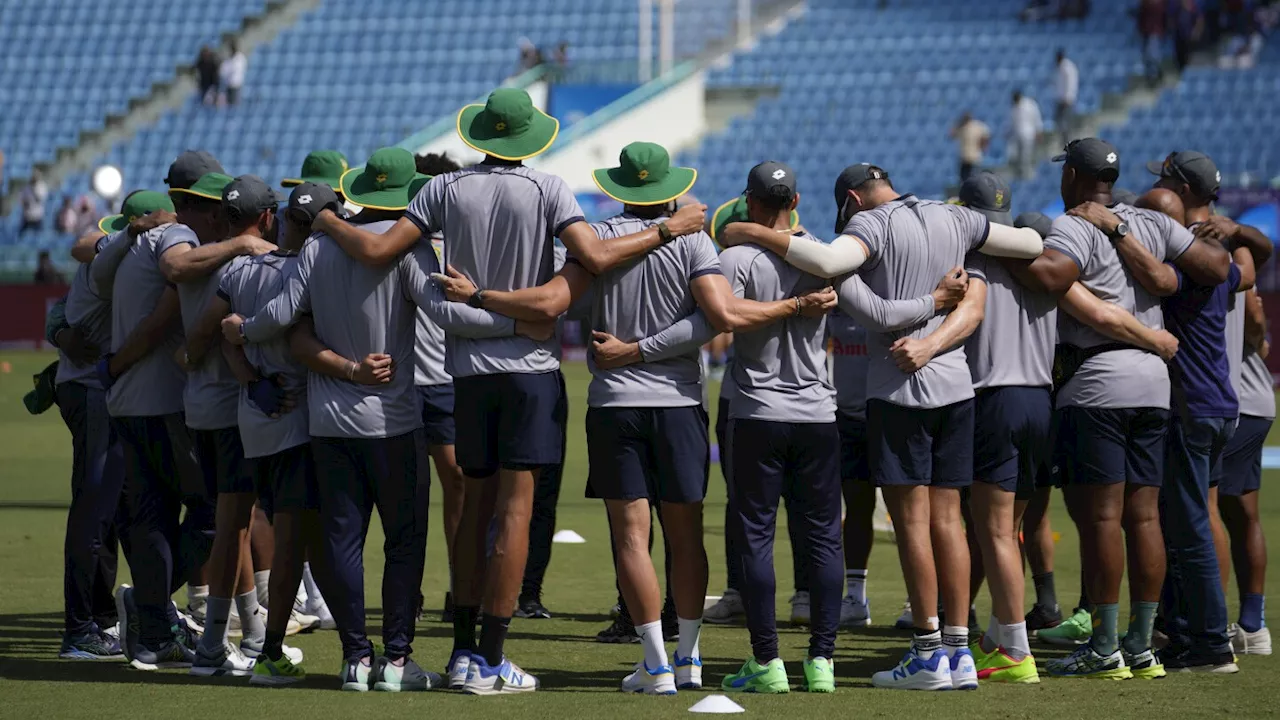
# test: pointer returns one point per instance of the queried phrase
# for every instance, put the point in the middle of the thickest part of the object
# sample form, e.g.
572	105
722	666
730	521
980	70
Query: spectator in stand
1188	28
67	219
207	75
46	272
530	57
1241	22
87	214
1066	89
1151	25
1025	126
231	74
34	197
973	137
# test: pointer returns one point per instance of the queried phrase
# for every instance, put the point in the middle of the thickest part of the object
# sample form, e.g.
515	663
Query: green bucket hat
644	176
143	202
736	211
209	186
322	167
388	181
42	397
507	126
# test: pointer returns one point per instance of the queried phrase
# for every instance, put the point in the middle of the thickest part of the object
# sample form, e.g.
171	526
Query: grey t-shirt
641	299
912	244
1122	378
212	392
155	384
779	371
428	350
248	285
1235	340
1257	389
849	362
1014	344
373	313
500	222
92	316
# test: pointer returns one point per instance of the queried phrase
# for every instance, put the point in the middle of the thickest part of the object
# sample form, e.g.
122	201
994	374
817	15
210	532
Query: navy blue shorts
437	413
1102	446
853	448
222	460
1240	470
920	446
1011	438
511	421
722	434
657	453
287	480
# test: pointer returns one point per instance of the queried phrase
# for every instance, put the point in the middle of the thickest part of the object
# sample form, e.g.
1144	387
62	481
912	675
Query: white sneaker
688	673
305	622
407	678
504	679
854	613
456	670
650	682
906	620
1250	643
355	676
252	650
964	672
800	608
319	608
225	661
197	625
916	673
726	610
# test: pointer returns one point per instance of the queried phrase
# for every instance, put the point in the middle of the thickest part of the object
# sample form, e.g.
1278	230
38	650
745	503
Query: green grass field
580	677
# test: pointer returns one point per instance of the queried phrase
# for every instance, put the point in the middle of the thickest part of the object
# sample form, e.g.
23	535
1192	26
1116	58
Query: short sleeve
702	256
735	263
975	263
226	282
973	226
1070	238
1233	278
562	206
425	211
1177	238
871	228
173	236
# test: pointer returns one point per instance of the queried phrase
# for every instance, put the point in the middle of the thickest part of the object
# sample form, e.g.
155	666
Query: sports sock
1014	640
273	648
954	637
1141	621
926	643
655	652
1085	604
856	580
1253	612
991	639
493	635
309	582
690	632
1046	592
464	628
1106	619
196	594
217	612
251	617
261	583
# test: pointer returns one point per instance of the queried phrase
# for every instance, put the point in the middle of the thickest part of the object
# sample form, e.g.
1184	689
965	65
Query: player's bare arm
911	354
306	348
540	304
204	336
148	334
598	256
373	249
1115	322
183	263
729	313
1053	272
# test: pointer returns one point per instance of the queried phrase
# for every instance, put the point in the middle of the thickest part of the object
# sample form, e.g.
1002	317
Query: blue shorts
437	413
657	453
287	480
510	421
1102	446
1011	439
920	446
222	460
853	448
1240	470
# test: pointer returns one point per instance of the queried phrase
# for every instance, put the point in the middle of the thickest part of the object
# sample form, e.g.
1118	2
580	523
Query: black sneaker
1200	661
1042	617
531	608
446	616
670	626
621	632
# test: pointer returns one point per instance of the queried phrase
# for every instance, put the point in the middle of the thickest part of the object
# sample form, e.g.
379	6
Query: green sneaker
276	672
979	655
757	678
1075	630
819	675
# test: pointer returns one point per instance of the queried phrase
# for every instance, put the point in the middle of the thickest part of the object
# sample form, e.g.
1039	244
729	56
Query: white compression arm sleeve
844	255
1006	241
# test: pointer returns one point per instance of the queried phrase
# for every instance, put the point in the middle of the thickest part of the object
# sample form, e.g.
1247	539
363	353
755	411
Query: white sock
196	595
954	637
690	630
313	591
992	637
856	580
251	617
655	652
1014	639
261	583
217	612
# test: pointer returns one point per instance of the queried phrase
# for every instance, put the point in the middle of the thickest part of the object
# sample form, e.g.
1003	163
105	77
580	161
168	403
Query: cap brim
360	190
333	182
197	193
112	224
723	216
996	216
1156	168
614	183
1059	158
477	132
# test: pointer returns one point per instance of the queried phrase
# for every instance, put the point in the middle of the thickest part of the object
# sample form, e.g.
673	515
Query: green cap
507	126
209	186
644	176
736	211
323	167
388	181
143	202
42	397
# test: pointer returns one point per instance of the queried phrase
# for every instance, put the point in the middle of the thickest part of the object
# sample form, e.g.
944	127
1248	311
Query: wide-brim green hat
43	396
143	202
322	167
388	181
507	126
209	186
736	211
644	176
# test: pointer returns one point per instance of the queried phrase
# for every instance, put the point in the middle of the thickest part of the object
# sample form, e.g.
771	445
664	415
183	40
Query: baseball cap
1036	221
1127	197
246	197
189	167
854	177
772	179
1195	169
308	199
1096	157
988	193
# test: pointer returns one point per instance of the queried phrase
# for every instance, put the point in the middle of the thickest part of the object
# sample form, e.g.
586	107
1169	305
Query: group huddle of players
223	358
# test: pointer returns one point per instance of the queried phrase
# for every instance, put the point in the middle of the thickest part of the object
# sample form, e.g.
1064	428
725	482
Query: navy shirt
1200	372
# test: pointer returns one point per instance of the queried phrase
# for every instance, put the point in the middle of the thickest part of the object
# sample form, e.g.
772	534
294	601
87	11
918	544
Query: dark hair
186	201
775	197
435	164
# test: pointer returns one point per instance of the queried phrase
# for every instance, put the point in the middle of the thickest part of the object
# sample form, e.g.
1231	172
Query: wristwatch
1120	233
476	300
664	233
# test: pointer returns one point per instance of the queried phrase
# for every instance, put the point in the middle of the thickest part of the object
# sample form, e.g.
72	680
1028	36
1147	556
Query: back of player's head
435	164
772	184
987	193
1165	201
245	200
1092	158
1193	175
1036	221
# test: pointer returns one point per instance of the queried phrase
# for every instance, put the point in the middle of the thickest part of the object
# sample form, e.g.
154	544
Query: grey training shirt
849	362
212	393
1257	389
428	350
92	316
1014	345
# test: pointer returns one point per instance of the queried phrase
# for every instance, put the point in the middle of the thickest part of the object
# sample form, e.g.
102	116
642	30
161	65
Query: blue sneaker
506	678
964	671
456	670
92	645
917	673
688	673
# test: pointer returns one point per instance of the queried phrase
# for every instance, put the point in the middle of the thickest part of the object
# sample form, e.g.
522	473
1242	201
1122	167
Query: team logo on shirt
779	174
233	194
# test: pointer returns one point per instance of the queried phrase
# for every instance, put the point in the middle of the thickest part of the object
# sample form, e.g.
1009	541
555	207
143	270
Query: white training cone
718	704
568	537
